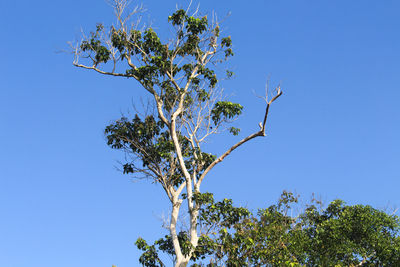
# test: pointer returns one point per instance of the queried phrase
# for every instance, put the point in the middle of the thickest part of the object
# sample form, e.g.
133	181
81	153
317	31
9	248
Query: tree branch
261	132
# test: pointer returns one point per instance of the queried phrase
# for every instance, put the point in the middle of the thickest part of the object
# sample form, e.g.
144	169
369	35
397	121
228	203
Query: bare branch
261	132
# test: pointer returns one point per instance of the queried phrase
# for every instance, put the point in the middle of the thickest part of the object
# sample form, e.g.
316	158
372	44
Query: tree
339	235
181	79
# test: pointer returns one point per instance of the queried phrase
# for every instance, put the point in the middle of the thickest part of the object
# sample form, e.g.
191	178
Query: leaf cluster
161	66
149	144
94	44
224	110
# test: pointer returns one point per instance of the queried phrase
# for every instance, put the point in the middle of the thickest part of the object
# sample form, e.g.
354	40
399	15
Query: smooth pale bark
192	211
174	219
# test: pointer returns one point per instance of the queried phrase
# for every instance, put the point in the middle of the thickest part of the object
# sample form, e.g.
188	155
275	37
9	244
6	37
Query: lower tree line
338	235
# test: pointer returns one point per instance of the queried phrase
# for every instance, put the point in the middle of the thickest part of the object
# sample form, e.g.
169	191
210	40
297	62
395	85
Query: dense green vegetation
338	235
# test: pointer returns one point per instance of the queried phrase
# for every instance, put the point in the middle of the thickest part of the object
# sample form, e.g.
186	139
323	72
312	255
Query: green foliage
227	42
224	110
146	138
149	144
234	130
150	257
229	74
339	235
213	215
178	17
344	234
155	58
102	54
170	71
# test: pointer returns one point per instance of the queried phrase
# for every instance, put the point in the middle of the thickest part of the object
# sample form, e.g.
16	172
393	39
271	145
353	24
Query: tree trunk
175	241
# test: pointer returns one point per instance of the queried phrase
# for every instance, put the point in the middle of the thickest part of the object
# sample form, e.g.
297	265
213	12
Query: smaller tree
339	235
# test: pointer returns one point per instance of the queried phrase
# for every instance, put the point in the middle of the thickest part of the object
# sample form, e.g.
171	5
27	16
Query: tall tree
180	75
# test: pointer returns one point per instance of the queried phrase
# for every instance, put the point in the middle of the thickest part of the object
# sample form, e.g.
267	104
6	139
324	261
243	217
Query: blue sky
335	131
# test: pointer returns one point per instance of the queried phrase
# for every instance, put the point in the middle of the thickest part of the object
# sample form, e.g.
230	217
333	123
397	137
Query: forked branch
261	132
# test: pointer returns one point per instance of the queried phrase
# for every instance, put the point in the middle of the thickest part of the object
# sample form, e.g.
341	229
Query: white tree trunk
174	219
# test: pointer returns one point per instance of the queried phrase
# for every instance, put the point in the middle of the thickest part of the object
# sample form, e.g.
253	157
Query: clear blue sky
334	132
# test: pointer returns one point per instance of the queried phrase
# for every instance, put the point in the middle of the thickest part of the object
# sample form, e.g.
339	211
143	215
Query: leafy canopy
339	235
181	76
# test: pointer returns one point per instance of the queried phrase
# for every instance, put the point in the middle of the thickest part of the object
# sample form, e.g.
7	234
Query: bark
174	219
192	212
